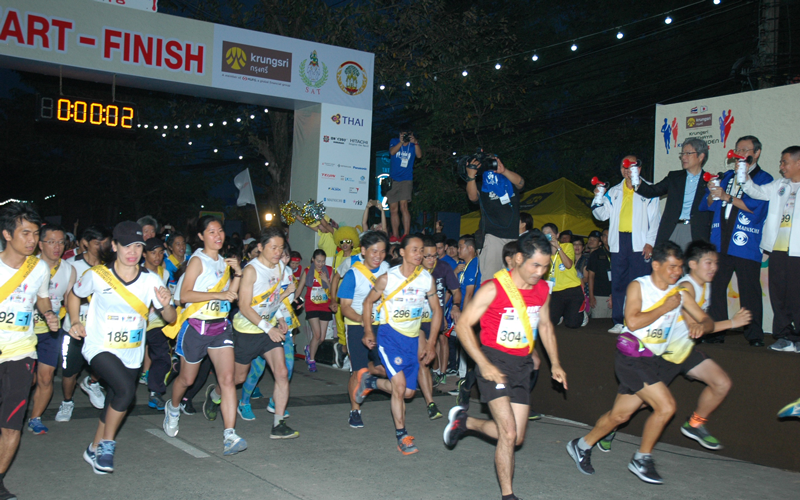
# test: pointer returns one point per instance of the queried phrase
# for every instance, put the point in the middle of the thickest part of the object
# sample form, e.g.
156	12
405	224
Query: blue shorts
48	347
399	354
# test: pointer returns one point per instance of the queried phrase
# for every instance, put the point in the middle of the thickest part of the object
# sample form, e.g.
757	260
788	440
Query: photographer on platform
499	202
403	151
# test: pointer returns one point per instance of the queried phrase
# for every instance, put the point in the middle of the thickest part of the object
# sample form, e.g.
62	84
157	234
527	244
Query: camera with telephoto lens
407	136
487	161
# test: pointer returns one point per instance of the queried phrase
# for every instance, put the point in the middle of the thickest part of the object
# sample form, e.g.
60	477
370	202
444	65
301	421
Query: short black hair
95	232
47	228
469	240
451	242
527	219
427	241
372	237
510	249
271	232
439	238
665	250
14	213
534	241
696	250
751	138
551	226
793	151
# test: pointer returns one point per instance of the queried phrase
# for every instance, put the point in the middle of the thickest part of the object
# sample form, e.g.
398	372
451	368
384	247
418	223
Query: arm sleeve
85	285
654	190
757	192
653	221
603	210
44	288
347	286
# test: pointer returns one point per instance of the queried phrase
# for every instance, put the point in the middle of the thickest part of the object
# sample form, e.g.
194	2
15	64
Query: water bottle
715	183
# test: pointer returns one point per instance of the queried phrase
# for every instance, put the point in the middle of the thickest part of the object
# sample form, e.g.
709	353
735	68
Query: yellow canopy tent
561	202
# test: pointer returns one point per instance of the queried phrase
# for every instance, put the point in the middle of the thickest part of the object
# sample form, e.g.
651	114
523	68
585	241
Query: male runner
652	306
157	343
510	308
24	284
406	286
449	291
52	240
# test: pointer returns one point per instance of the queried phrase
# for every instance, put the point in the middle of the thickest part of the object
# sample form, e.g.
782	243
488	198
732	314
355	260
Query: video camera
488	161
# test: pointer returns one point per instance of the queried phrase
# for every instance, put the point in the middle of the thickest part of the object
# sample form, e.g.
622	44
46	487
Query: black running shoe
645	469
583	458
5	494
456	426
462	398
187	407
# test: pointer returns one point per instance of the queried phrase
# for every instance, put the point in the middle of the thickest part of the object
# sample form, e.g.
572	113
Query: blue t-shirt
397	171
450	261
471	275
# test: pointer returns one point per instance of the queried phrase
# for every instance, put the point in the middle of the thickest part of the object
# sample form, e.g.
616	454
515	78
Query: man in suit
682	220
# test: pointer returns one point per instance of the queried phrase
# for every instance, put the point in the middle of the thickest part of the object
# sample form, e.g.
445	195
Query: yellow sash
16	280
174	260
504	278
264	296
360	267
295	320
108	277
408	280
171	330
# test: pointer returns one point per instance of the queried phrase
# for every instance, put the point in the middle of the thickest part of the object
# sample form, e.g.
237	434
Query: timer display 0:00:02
82	112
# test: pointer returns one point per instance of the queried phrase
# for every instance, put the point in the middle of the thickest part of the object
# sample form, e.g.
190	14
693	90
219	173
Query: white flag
242	182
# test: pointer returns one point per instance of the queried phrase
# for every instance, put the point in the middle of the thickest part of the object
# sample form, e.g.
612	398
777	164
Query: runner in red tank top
504	362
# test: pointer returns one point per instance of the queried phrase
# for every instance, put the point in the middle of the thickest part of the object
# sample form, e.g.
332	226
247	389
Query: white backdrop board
770	114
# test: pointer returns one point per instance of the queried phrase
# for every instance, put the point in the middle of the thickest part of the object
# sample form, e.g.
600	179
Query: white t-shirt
656	336
59	285
212	273
154	320
680	344
266	279
17	340
81	266
112	325
404	311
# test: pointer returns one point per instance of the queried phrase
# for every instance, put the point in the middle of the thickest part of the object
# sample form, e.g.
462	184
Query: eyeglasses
346	242
681	155
53	243
740	151
430	256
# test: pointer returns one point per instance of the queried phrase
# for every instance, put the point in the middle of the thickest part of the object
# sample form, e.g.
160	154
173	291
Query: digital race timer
86	113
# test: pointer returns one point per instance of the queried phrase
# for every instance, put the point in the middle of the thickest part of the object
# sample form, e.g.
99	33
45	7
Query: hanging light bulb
498	66
717	2
163	135
211	124
241	157
224	122
668	20
383	87
199	125
464	73
252	116
145	125
574	47
176	127
266	110
238	120
534	57
187	126
408	84
620	35
190	143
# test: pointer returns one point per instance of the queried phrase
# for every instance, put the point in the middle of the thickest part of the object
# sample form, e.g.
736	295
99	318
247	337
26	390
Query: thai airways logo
339	119
740	238
743	219
352	78
236	58
313	73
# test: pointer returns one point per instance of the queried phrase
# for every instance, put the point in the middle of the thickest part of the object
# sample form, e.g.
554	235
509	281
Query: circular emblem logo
740	238
781	190
743	219
352	78
398	360
313	72
561	267
690	122
236	58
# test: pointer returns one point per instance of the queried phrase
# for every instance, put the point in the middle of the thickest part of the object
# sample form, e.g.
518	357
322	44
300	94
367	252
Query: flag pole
258	217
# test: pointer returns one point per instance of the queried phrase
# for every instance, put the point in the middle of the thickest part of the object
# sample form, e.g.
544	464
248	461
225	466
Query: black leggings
158	347
120	382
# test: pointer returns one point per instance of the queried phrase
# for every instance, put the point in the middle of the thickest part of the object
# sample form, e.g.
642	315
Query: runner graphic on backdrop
652	307
405	288
510	308
203	329
122	293
24	285
316	284
62	276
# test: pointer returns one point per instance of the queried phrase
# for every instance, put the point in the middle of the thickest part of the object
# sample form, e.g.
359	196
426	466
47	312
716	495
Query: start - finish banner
105	39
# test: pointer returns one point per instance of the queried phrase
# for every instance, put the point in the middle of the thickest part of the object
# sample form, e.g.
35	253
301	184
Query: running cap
595	234
127	233
152	244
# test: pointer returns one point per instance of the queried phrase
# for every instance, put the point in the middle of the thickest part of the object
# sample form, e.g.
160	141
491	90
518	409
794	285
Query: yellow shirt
626	211
327	244
564	278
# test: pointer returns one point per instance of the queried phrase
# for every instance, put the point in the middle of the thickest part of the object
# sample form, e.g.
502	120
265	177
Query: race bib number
83	313
427	314
511	333
124	331
16	314
217	309
319	295
659	331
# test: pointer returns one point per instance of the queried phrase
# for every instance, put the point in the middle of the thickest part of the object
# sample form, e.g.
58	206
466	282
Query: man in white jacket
632	233
783	243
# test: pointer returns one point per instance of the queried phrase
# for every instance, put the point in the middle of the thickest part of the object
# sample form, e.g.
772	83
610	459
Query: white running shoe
65	411
94	391
617	329
171	422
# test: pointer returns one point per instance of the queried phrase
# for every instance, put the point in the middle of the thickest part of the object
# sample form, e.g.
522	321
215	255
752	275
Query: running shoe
783	345
701	435
246	411
462	394
283	431
338	355
35	426
233	444
89	457
433	412
406	446
312	366
438	379
256	394
5	494
187	407
582	458
94	391
65	411
790	410
456	426
534	416
171	421
451	371
104	456
271	408
363	378
209	406
604	444
645	469
143	377
585	319
346	363
355	419
617	329
307	353
156	401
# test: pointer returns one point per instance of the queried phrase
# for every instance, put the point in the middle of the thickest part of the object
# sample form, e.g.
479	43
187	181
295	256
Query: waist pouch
630	345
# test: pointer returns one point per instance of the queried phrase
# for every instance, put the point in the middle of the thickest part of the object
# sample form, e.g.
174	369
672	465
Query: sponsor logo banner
698	121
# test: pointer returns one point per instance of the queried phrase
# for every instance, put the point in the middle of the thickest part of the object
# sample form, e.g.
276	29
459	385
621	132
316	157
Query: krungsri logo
236	58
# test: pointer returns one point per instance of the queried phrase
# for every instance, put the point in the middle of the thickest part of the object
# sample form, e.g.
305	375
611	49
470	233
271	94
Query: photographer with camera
403	150
499	202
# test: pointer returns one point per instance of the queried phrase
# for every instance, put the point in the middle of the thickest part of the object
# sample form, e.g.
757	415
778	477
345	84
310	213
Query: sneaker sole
451	415
155	406
359	377
188	413
63	420
700	440
205	402
102	470
290	436
238	447
408	452
89	461
644	478
577	461
435	417
88	392
604	450
357	426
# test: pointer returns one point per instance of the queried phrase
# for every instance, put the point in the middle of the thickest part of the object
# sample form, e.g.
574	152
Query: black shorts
193	347
249	346
425	327
634	373
72	360
48	347
360	356
517	370
15	386
320	315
